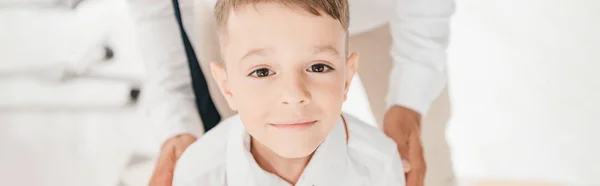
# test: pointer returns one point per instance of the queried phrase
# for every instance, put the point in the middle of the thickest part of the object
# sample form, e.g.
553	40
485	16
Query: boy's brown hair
338	9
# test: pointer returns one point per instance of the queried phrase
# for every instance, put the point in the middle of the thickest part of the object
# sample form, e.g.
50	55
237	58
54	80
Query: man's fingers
161	180
403	125
406	166
416	154
166	159
178	152
163	172
411	179
416	176
169	154
403	149
183	143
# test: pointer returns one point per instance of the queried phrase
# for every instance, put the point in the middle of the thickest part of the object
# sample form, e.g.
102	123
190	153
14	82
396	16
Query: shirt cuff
414	86
169	122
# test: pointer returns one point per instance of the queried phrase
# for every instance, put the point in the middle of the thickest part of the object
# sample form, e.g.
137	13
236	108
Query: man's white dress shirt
222	157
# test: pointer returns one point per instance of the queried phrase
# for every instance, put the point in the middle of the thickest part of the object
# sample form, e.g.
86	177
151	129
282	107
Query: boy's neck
288	169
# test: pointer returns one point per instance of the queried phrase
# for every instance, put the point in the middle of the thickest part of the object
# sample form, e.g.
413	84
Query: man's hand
404	126
169	154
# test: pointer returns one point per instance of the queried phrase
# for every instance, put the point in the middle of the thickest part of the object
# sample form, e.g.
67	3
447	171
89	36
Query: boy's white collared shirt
222	157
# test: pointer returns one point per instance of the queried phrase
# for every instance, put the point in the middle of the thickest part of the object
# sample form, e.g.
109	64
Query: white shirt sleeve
420	31
171	102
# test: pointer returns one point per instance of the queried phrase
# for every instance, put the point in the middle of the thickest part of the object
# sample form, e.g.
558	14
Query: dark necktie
208	112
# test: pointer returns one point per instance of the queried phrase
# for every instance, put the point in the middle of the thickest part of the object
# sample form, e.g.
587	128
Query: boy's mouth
295	125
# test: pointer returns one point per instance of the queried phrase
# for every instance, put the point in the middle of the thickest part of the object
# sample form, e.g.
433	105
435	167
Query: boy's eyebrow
256	51
326	49
318	49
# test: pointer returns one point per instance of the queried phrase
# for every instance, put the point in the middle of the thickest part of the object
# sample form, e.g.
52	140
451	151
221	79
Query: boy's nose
294	92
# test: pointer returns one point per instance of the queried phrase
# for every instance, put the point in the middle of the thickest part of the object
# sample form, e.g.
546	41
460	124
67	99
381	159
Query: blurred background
523	91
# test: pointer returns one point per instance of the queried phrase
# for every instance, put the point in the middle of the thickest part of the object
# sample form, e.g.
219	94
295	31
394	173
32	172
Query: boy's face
286	74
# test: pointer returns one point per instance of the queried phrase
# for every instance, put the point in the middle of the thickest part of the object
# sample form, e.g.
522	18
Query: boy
286	73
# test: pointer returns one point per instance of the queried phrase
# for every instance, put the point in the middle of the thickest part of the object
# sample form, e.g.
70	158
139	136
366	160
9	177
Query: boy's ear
219	72
351	67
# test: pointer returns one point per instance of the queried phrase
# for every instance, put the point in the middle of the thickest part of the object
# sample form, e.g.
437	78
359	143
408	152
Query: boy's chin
292	152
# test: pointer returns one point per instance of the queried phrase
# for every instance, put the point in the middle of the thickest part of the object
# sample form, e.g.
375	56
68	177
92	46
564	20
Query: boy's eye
263	72
319	68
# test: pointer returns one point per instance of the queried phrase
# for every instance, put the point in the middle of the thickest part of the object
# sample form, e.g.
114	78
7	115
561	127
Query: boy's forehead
323	49
265	28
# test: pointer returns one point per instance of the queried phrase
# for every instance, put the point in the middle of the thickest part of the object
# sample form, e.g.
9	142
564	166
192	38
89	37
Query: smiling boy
287	73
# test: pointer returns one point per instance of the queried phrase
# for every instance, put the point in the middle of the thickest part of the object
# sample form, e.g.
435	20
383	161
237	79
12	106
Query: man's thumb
406	166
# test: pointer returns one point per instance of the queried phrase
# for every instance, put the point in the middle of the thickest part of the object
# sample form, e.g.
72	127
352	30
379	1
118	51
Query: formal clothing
222	157
171	105
169	90
206	107
375	46
420	27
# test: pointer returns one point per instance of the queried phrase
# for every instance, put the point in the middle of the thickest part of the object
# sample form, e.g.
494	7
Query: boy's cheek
263	95
254	99
329	92
244	87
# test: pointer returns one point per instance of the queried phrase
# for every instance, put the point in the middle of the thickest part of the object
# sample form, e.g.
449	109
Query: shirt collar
330	158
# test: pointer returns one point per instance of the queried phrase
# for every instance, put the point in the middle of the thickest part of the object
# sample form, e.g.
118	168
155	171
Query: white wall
525	88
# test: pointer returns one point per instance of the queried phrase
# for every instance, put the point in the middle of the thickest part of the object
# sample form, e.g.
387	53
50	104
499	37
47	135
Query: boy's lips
296	125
